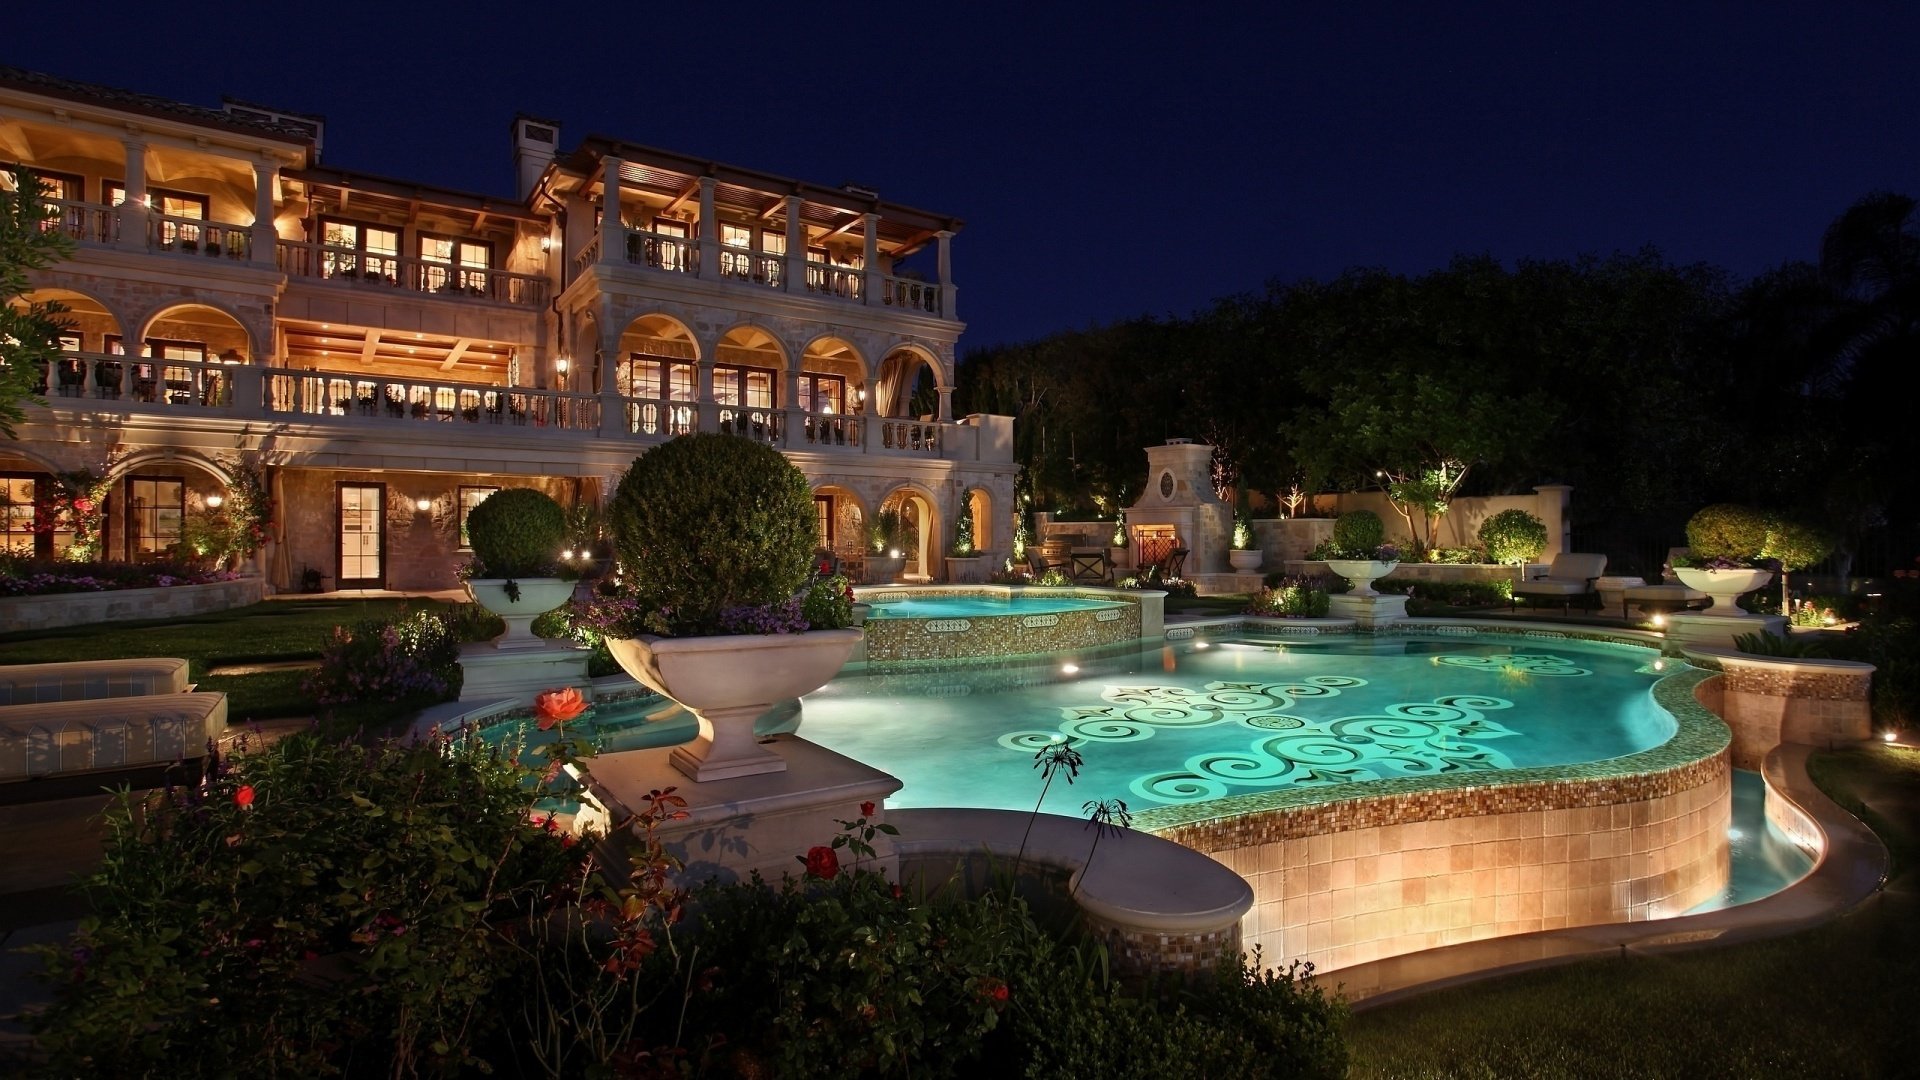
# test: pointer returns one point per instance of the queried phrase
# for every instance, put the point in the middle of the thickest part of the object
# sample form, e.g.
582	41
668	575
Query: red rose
557	706
1000	993
866	809
244	797
83	504
822	862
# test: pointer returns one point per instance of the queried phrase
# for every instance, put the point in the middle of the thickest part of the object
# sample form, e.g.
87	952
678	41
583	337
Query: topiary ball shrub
1359	531
517	532
1513	537
1727	531
708	522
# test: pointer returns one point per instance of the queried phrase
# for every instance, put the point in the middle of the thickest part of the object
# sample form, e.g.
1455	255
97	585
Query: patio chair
1175	564
1088	566
1571	575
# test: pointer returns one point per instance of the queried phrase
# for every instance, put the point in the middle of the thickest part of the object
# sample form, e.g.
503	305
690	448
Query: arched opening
832	391
189	345
658	367
842	521
748	369
88	327
907	385
919	537
978	506
166	507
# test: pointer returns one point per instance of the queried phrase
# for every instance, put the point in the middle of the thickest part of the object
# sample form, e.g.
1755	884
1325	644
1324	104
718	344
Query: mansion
388	352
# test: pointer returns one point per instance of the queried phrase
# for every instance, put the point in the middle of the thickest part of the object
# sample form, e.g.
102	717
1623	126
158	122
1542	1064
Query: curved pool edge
974	636
1849	868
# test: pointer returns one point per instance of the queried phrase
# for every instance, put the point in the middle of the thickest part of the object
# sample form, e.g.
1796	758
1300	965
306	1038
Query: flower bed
130	603
47	577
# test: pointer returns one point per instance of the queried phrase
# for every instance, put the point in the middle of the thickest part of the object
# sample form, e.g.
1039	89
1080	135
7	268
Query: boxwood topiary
1513	536
1359	531
1727	531
708	522
517	532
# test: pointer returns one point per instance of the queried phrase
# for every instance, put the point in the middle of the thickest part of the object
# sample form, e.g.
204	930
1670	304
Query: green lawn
270	631
1834	1001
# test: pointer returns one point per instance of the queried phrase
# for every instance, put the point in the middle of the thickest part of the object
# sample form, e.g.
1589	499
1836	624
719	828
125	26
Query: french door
361	520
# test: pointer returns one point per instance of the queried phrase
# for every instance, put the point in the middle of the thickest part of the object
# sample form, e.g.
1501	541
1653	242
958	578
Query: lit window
353	249
471	497
454	265
155	508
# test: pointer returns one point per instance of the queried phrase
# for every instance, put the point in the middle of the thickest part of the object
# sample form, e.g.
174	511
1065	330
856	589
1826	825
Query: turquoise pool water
952	607
1764	860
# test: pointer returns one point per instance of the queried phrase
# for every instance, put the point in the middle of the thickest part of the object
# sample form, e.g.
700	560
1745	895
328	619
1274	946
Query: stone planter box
129	605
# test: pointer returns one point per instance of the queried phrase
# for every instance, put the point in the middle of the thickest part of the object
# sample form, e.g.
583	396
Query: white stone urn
1726	587
1245	562
1362	573
537	597
728	682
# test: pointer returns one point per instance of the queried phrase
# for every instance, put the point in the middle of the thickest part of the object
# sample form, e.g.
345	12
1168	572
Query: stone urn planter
885	569
537	597
728	682
967	570
1245	562
1726	587
1362	573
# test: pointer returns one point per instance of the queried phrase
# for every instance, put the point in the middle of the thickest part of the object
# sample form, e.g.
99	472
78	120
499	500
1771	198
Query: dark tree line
1652	388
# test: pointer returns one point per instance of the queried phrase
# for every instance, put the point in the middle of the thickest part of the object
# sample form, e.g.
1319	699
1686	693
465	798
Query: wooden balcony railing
366	269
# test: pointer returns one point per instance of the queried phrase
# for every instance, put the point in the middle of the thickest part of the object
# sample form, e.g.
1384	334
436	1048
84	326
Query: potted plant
1245	554
1359	551
716	535
965	562
885	559
517	536
1725	543
1513	537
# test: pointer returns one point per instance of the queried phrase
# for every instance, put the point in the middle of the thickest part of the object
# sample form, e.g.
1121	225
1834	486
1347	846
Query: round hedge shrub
1359	531
1796	544
1513	536
708	522
517	532
1727	531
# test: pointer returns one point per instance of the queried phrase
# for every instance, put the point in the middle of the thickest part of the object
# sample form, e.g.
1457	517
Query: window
672	253
53	185
744	386
471	497
736	251
19	508
668	380
823	519
357	250
823	393
450	264
175	208
155	507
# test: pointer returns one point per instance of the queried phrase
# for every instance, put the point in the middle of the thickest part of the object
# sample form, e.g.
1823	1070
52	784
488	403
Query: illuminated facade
392	351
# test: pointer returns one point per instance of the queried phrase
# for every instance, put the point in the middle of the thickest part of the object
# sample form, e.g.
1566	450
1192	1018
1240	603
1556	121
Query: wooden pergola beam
368	347
460	348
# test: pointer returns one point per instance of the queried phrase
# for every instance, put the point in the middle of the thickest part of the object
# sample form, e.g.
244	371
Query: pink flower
83	504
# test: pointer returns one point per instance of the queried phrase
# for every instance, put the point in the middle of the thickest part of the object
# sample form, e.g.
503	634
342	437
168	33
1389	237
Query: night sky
1115	164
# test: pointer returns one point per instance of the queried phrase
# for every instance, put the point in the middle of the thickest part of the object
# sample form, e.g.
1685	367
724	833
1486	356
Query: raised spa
910	625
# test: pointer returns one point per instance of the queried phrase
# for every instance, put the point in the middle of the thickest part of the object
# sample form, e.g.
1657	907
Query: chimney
535	142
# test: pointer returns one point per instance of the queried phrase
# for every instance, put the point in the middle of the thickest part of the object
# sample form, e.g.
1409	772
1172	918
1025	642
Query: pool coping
1849	868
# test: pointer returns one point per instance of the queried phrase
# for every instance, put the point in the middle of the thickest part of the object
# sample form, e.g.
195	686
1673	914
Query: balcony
443	412
749	269
99	224
369	270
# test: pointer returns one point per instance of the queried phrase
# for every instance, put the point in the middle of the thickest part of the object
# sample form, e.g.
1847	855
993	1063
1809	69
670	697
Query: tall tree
29	331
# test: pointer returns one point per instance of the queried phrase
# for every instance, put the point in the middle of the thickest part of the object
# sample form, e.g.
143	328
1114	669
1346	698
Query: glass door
363	534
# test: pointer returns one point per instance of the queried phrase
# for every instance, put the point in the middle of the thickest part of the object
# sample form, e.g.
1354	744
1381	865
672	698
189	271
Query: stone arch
169	458
30	454
899	371
660	338
846	369
93	317
977	502
928	540
231	334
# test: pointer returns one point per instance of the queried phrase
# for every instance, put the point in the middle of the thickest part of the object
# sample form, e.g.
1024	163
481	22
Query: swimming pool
910	625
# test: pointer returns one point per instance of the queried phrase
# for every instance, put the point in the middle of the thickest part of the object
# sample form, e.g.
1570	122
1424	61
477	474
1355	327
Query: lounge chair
1571	575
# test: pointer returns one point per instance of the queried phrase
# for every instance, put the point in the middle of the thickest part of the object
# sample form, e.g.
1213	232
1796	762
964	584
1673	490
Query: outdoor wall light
546	243
423	504
214	500
561	364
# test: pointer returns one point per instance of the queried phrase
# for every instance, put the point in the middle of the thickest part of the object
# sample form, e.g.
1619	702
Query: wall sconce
860	394
546	243
561	364
423	505
215	500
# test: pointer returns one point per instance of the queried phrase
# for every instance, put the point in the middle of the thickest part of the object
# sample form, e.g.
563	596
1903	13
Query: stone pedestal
489	674
1718	630
1367	612
734	827
1613	592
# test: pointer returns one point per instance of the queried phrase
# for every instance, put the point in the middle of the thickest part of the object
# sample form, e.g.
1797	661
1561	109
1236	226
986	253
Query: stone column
266	240
945	415
796	245
871	261
709	409
947	298
613	229
613	407
133	211
709	233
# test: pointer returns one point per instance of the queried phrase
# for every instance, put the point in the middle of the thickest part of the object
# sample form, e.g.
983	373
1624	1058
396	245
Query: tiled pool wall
1770	701
1437	861
986	636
